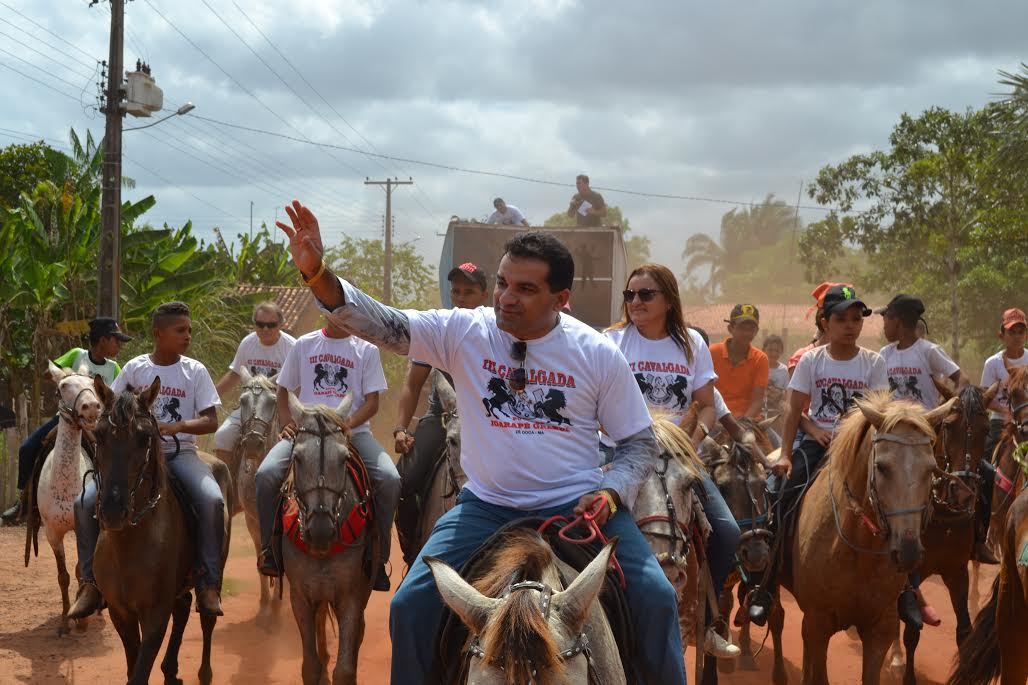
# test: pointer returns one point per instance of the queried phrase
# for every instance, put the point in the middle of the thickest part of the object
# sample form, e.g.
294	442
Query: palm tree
1011	118
745	229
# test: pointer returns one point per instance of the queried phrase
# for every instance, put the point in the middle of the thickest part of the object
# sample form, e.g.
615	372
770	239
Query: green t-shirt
77	359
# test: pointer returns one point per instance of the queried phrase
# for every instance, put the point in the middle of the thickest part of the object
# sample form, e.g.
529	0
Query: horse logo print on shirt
667	390
166	409
905	387
532	409
330	376
836	401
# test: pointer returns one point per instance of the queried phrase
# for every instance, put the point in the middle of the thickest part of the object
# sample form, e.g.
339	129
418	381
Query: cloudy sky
720	100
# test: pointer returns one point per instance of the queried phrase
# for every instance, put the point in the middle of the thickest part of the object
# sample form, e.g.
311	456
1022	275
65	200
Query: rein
958	477
756	524
71	414
587	520
155	483
679	530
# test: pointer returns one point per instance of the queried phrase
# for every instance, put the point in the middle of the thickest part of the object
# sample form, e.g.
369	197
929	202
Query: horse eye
881	468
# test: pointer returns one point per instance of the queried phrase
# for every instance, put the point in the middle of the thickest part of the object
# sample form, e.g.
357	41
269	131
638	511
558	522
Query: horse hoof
63	630
748	663
81	625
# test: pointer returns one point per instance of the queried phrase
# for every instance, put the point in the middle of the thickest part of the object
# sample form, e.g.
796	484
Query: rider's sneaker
208	601
908	608
716	646
12	514
267	565
930	616
381	580
983	554
87	602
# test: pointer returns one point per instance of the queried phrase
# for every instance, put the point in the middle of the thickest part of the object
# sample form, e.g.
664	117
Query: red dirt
31	652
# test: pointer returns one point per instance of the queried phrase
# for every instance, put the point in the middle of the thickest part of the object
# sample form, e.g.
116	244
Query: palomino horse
60	480
949	537
145	555
448	478
330	572
258	431
524	627
858	532
995	647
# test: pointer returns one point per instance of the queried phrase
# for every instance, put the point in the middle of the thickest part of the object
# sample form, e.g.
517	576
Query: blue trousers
29	451
203	490
724	536
416	608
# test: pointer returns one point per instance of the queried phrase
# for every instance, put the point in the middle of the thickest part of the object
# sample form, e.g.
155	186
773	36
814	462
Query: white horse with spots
60	480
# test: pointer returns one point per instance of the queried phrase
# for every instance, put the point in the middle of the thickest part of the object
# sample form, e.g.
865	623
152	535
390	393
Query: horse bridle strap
678	533
71	414
155	486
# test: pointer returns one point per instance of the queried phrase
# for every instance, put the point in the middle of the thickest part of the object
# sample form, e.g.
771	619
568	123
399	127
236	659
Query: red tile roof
298	305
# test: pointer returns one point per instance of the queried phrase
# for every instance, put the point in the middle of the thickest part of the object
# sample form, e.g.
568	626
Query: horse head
78	402
257	414
892	470
961	447
741	479
129	462
522	630
1017	400
451	420
321	481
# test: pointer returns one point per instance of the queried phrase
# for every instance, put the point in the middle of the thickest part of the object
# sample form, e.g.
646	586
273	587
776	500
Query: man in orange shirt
741	368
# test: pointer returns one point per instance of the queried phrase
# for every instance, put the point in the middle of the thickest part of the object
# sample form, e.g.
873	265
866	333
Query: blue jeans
204	492
29	451
416	608
724	536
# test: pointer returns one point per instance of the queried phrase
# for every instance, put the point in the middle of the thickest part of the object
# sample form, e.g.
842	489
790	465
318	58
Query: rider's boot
983	514
267	564
87	602
408	514
208	601
719	647
909	609
381	582
13	514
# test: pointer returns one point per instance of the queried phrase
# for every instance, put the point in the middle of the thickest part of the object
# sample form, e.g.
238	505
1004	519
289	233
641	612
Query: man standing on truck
506	215
587	206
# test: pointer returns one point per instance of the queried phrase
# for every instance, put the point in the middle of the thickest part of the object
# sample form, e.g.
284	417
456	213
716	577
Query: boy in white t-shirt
186	406
1012	332
830	378
324	367
261	352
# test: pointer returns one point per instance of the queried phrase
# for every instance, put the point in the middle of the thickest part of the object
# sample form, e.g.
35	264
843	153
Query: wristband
317	274
610	502
399	429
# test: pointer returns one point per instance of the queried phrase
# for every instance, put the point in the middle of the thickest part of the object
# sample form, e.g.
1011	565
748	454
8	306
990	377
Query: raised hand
304	238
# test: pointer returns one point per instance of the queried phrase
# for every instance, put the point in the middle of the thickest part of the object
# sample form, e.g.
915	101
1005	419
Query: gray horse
258	432
321	578
449	478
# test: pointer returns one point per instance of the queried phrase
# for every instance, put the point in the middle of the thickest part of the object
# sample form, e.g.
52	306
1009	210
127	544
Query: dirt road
31	652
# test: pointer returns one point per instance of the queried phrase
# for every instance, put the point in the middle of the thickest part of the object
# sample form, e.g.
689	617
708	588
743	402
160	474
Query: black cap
470	272
839	298
744	312
103	326
903	305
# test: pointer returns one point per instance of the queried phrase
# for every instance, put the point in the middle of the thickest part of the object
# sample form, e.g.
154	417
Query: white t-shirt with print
779	376
262	359
186	390
535	448
996	370
833	384
512	217
910	371
324	370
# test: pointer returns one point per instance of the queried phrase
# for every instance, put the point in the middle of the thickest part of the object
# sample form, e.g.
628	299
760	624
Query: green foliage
257	260
22	168
1010	118
944	219
637	247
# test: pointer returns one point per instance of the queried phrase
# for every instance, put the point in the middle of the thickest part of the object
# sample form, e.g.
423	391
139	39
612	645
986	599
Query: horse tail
978	659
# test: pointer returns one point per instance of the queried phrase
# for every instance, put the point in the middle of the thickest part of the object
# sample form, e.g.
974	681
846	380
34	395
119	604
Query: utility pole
110	204
387	281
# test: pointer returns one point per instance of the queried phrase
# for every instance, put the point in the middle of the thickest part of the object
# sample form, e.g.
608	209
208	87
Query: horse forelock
263	381
850	448
673	440
972	403
517	635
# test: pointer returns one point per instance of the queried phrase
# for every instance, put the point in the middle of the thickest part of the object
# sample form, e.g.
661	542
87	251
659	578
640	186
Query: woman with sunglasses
673	368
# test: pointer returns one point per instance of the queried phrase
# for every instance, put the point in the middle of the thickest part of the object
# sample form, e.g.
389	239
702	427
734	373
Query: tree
936	196
22	168
260	260
742	230
1010	117
637	247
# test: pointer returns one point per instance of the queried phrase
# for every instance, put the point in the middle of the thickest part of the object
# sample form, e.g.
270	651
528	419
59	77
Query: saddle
452	635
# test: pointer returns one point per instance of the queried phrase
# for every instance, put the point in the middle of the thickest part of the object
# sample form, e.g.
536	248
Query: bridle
149	464
967	476
71	414
754	526
679	530
334	513
579	646
446	418
254	426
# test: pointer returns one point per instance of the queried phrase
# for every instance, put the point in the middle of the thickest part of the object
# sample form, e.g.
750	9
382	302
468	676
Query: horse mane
1018	378
972	402
845	451
673	440
263	381
329	414
517	636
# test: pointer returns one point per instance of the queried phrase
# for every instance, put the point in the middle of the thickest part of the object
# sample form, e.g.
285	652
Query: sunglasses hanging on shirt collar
519	379
645	294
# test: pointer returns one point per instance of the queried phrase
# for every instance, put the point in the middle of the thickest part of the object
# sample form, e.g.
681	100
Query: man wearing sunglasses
533	387
261	352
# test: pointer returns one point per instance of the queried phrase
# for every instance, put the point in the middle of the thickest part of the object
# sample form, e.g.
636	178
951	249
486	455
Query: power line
36	23
39	68
46	56
45	85
496	174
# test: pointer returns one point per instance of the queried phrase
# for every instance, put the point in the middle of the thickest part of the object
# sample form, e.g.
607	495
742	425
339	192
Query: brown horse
145	555
1008	473
949	538
995	647
524	627
858	532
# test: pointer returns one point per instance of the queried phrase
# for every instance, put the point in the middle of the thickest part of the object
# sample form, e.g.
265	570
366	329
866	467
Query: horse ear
244	375
295	408
444	391
768	422
935	416
943	389
343	410
54	372
990	394
148	396
876	417
472	606
105	394
574	602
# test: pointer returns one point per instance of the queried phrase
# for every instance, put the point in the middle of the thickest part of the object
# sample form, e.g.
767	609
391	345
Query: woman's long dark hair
668	285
